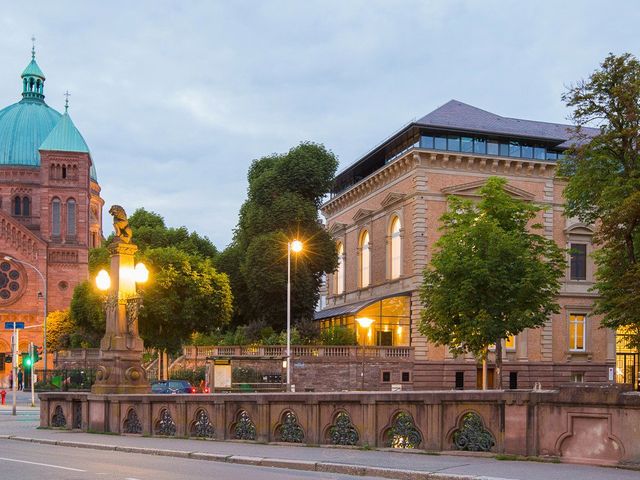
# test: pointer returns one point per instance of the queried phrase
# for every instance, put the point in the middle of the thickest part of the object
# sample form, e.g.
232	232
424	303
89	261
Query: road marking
42	464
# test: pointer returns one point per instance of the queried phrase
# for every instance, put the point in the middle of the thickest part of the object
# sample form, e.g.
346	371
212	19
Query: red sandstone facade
413	187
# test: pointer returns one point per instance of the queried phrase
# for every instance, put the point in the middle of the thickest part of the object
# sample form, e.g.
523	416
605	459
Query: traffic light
26	360
36	352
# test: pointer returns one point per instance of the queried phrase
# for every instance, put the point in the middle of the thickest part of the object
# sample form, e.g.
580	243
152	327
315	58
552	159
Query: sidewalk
380	463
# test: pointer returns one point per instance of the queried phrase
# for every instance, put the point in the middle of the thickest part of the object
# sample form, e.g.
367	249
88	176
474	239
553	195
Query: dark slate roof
456	115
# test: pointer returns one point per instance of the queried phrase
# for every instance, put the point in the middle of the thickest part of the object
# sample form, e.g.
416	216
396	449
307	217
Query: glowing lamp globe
296	246
103	280
140	273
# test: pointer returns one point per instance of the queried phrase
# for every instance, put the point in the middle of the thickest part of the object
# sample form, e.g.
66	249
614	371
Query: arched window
395	259
71	218
26	207
339	275
17	206
365	260
55	217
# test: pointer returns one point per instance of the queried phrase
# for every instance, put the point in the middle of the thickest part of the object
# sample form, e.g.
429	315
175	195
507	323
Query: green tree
603	189
60	328
491	276
87	314
185	294
284	194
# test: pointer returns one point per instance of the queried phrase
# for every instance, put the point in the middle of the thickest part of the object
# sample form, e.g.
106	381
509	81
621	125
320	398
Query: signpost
15	326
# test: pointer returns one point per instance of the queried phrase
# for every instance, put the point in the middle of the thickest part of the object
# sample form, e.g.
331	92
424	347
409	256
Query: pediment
362	214
336	228
392	198
579	229
471	189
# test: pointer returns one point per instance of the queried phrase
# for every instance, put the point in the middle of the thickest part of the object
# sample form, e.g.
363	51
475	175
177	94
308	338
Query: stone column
120	364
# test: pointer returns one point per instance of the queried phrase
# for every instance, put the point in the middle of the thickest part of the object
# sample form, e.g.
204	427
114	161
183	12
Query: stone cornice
514	167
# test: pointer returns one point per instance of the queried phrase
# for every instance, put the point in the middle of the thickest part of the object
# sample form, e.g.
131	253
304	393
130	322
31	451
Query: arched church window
26	207
395	259
17	206
55	217
71	218
365	260
64	171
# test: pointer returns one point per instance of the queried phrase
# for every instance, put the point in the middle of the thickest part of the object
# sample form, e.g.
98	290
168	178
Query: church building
50	212
384	215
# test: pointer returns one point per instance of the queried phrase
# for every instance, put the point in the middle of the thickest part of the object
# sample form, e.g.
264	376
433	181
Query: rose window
11	281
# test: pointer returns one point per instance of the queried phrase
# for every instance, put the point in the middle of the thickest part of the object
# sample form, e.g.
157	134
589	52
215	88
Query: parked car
172	386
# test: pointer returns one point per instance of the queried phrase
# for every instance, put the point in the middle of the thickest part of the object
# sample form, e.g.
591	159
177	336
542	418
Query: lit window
578	261
510	342
365	260
577	332
55	218
396	248
339	275
71	218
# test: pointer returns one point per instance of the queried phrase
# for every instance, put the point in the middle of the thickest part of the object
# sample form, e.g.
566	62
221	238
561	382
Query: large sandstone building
384	213
50	211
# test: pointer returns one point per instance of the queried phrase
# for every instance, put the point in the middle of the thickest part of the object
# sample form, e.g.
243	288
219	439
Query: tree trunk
498	374
485	370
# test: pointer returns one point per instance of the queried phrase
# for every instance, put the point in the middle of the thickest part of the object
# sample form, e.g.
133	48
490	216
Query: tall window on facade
396	248
578	261
55	217
26	207
577	332
365	260
71	218
339	275
17	206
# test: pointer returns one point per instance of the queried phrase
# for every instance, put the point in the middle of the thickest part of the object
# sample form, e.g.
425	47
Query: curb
328	467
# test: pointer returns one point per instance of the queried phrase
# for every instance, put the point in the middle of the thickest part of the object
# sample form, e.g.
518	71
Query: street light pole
288	316
295	246
44	323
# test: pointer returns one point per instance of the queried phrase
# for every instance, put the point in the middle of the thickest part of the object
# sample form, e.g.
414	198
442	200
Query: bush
193	376
338	336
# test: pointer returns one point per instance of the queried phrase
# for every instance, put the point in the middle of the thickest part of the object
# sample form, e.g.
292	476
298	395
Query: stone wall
591	424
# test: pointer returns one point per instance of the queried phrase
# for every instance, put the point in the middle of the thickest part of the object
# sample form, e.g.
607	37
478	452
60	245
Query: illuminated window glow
577	332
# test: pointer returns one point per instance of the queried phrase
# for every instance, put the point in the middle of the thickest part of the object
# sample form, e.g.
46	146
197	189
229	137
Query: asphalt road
26	461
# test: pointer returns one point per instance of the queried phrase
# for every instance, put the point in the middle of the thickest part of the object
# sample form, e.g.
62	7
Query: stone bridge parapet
585	424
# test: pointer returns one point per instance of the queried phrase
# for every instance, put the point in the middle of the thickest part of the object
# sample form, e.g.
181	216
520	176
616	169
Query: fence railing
279	351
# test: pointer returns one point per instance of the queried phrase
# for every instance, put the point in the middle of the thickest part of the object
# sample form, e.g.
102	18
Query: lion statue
121	223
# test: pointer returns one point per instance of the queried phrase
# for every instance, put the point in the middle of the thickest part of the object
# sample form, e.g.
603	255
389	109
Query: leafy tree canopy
603	189
60	329
284	194
491	276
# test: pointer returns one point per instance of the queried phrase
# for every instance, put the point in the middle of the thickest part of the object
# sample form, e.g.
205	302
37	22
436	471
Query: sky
176	98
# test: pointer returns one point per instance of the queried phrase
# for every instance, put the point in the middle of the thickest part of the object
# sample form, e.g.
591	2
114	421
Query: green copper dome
24	126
